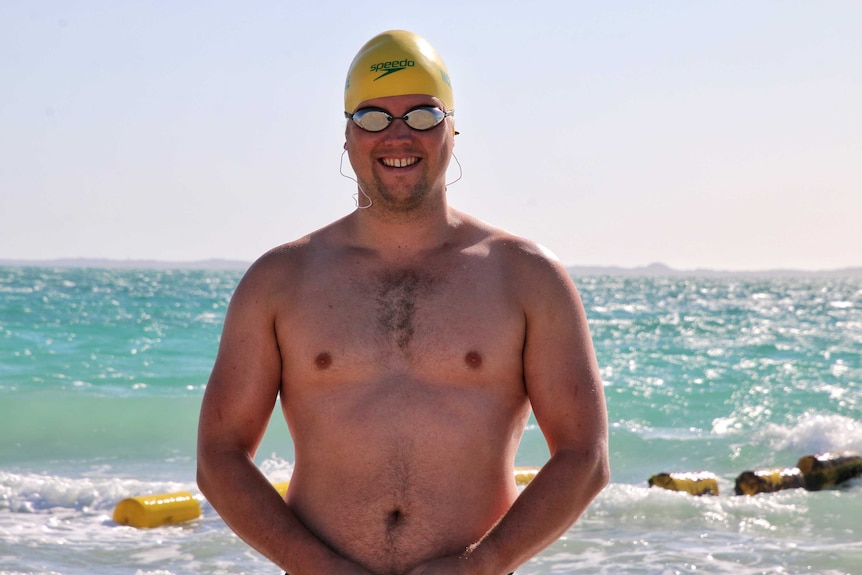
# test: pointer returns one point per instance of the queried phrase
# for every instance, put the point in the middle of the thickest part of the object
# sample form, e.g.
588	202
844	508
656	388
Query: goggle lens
377	120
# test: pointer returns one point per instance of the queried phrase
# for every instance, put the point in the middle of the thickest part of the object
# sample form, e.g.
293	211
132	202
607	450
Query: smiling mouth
399	162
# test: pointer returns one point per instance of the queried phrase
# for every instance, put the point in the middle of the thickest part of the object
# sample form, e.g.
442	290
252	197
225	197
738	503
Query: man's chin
402	198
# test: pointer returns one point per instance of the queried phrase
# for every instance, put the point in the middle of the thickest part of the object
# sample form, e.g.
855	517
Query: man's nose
399	129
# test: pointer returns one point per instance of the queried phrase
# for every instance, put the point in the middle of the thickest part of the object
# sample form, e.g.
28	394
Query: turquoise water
102	371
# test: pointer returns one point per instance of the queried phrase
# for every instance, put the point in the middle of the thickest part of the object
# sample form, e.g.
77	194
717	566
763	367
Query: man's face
401	168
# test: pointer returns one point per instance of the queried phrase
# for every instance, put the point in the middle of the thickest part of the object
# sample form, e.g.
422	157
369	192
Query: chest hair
398	296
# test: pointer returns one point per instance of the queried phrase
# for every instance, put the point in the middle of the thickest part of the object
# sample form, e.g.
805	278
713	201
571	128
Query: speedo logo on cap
391	67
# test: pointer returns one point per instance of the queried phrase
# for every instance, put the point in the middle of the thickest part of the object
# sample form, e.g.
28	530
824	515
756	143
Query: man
408	343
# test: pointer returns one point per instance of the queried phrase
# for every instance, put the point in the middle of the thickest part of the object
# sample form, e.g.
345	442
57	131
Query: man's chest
463	318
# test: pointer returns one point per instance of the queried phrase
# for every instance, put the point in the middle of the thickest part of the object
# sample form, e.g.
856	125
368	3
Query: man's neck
397	236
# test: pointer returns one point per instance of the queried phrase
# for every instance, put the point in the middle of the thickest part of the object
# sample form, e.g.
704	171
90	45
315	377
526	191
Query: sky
723	135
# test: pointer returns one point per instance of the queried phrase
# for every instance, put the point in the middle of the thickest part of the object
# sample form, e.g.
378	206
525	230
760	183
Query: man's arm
237	406
565	389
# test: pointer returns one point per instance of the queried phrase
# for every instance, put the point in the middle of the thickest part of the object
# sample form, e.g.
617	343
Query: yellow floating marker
695	483
156	510
828	469
769	480
523	475
281	487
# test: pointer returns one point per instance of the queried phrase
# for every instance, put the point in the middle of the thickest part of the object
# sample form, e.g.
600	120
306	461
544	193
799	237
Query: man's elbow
602	472
589	470
597	474
203	476
208	474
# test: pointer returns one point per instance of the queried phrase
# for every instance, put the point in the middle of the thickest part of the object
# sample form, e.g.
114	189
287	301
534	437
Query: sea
102	372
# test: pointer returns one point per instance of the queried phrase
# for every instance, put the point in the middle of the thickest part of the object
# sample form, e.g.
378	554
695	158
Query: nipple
473	359
323	360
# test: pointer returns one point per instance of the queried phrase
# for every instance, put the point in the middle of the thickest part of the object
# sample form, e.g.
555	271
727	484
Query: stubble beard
393	198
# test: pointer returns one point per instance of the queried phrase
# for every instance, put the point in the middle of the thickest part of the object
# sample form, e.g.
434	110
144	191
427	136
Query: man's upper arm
246	377
560	368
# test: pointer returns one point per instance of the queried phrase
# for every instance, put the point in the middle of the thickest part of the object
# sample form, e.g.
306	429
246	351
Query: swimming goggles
420	119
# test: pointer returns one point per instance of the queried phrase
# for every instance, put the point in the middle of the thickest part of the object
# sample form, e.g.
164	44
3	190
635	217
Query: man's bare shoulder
274	264
518	253
289	259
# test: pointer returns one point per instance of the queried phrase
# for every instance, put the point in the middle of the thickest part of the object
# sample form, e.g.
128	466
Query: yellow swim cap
397	63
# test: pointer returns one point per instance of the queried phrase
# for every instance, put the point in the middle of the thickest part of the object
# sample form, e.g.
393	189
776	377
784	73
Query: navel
323	360
394	518
473	359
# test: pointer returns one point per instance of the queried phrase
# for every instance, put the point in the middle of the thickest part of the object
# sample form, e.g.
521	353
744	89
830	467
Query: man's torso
402	385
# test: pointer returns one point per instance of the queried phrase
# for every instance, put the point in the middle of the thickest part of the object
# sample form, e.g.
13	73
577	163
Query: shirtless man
408	343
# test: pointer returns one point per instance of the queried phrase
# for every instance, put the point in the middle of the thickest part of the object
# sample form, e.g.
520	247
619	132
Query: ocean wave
33	493
640	530
815	433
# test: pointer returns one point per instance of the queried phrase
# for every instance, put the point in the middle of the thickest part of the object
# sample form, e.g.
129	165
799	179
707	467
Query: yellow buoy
156	510
769	480
523	475
828	469
281	487
695	483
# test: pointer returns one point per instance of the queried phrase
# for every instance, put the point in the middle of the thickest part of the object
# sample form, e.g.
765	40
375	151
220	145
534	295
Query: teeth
399	162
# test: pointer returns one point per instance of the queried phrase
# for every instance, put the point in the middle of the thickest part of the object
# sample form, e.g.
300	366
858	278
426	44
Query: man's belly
393	469
393	518
390	486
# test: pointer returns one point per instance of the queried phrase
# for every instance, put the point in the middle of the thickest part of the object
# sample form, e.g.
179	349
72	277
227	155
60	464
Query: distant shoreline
662	270
105	263
652	270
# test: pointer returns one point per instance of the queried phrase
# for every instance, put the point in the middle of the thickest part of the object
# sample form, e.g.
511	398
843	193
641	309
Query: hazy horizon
216	264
